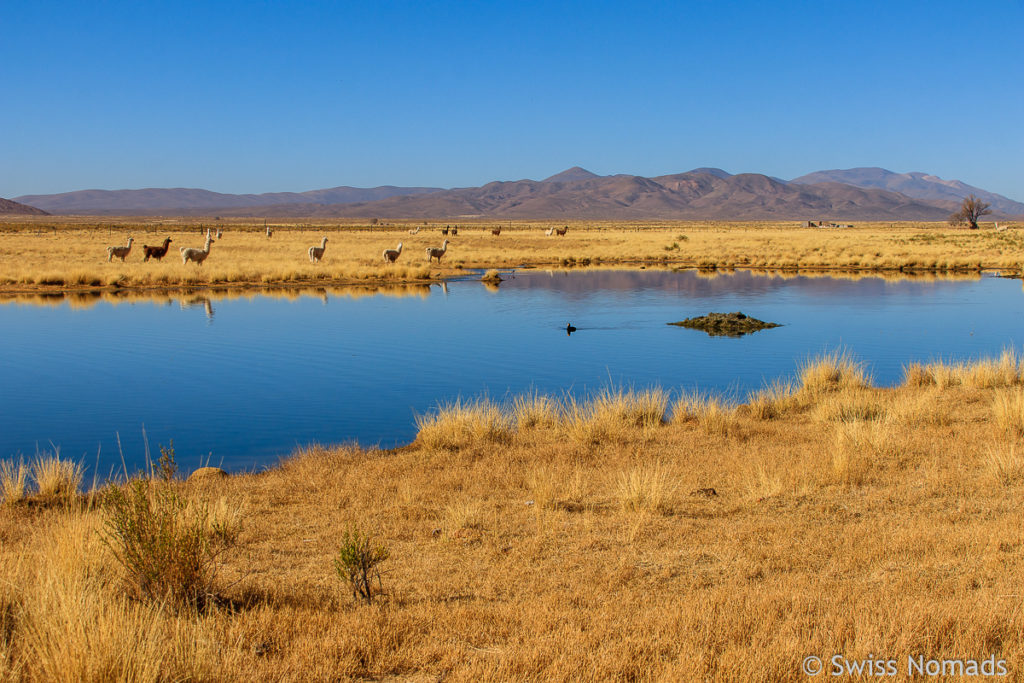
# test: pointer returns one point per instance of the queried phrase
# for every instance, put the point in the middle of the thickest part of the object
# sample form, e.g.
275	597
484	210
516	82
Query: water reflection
190	297
285	368
201	300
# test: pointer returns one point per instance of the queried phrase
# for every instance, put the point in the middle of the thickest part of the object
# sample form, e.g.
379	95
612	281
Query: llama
455	230
391	255
270	233
549	232
120	252
561	233
317	253
195	254
435	252
444	230
220	233
156	252
413	232
496	231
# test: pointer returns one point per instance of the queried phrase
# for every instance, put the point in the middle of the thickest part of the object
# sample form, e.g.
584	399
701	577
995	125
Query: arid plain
639	535
45	253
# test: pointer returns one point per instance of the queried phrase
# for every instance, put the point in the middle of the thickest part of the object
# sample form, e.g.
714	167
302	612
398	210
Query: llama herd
315	252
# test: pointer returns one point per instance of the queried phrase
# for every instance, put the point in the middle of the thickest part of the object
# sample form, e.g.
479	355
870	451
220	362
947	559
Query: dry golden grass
833	371
1005	465
1008	411
13	480
773	401
71	253
535	410
461	423
644	487
1005	371
613	415
668	552
55	477
712	413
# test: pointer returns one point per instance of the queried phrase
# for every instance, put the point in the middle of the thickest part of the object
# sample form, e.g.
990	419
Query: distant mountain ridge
916	184
692	195
160	199
703	193
9	207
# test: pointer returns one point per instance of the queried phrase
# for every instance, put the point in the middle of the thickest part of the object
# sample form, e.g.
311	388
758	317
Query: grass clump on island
64	252
640	535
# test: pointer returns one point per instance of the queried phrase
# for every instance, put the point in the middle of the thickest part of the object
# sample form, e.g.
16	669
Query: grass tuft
918	375
712	413
614	414
459	424
13	481
773	401
533	410
849	406
1004	464
56	478
644	488
831	372
1008	410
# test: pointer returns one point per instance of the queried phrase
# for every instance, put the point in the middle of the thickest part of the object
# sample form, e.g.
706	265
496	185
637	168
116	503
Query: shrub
167	548
167	465
358	563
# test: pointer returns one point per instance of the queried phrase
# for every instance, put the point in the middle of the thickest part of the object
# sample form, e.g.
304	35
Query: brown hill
9	207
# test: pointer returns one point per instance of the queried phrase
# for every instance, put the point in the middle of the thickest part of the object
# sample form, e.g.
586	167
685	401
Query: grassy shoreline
71	254
549	539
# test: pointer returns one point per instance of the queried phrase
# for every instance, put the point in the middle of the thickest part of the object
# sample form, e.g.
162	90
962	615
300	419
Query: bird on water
569	329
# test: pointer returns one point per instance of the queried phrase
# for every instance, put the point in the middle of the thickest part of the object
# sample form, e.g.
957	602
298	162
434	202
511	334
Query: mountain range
703	193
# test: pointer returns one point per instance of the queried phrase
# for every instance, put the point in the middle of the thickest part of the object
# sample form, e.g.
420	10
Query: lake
242	380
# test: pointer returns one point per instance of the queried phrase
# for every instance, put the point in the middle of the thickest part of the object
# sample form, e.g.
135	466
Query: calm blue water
243	381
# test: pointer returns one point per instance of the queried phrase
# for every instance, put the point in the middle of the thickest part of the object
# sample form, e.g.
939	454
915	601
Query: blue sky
285	96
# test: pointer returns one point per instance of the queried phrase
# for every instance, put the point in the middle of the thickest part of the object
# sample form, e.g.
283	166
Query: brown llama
156	252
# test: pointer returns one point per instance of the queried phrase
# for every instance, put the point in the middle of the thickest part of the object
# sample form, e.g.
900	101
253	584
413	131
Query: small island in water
725	324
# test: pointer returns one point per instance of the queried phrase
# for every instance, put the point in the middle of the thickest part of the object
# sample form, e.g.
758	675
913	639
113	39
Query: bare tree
972	209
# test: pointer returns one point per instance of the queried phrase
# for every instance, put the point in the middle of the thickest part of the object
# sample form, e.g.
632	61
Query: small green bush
167	547
358	563
167	465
